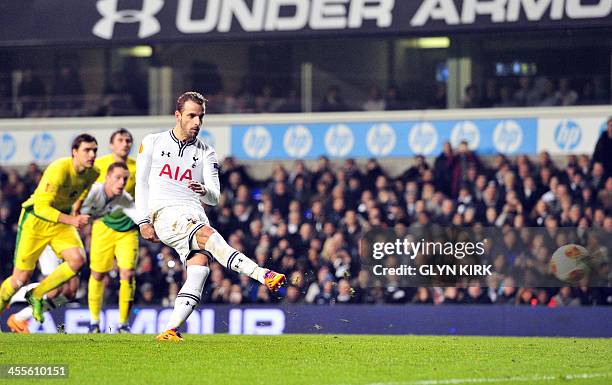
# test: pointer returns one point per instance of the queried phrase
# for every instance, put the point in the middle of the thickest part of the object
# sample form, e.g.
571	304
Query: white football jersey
98	205
165	166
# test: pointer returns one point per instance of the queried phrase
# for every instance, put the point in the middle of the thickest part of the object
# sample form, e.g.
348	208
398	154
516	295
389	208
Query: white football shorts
176	227
48	261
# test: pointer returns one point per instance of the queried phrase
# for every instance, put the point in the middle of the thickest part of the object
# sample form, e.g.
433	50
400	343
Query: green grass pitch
313	359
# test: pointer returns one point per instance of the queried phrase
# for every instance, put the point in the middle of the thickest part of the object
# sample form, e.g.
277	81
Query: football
569	263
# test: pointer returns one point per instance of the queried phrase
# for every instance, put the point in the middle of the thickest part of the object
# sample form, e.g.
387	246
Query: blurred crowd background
306	222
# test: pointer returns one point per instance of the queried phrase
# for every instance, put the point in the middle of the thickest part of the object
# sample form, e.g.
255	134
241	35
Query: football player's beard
187	130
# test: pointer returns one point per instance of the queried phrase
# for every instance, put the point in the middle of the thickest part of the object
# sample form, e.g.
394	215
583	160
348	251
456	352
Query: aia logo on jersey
167	170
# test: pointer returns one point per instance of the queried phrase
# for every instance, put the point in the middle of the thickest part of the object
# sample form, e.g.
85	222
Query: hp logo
257	142
8	147
507	137
423	138
148	24
465	131
42	147
568	135
381	139
339	140
297	141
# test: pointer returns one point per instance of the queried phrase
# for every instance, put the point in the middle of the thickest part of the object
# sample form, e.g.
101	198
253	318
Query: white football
569	263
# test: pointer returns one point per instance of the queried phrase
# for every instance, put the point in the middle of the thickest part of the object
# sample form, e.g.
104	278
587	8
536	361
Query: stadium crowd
307	222
37	96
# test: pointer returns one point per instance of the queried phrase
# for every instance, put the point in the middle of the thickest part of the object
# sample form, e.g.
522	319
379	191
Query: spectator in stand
491	96
393	99
587	96
475	294
452	296
508	292
549	96
526	96
333	101
30	94
67	93
264	102
565	298
6	102
375	100
291	103
471	99
459	165
505	98
147	295
603	150
439	100
441	166
566	95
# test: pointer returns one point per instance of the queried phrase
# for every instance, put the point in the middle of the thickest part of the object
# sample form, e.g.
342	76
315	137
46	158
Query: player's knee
97	276
76	263
203	234
75	258
17	282
20	277
126	274
197	259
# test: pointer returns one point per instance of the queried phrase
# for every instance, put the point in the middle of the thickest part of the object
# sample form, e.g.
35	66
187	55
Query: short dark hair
83	138
117	165
121	131
193	96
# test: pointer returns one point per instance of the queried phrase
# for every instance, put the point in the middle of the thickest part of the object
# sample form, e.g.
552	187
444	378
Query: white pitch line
455	381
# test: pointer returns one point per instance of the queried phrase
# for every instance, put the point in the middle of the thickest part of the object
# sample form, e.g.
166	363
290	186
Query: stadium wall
355	319
385	134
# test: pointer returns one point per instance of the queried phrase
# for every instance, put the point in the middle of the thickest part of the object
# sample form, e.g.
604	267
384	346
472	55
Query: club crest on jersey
167	170
195	161
164	153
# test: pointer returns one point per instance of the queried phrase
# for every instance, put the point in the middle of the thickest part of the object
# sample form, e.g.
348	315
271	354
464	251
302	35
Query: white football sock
233	259
24	314
189	296
20	294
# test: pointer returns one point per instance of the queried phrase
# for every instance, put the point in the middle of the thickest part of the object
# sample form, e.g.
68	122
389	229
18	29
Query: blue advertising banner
382	139
352	319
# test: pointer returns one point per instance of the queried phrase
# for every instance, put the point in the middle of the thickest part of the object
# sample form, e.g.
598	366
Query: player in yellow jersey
46	219
114	235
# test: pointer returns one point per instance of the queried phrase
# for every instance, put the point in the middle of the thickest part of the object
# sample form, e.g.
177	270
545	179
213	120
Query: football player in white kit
103	198
176	173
